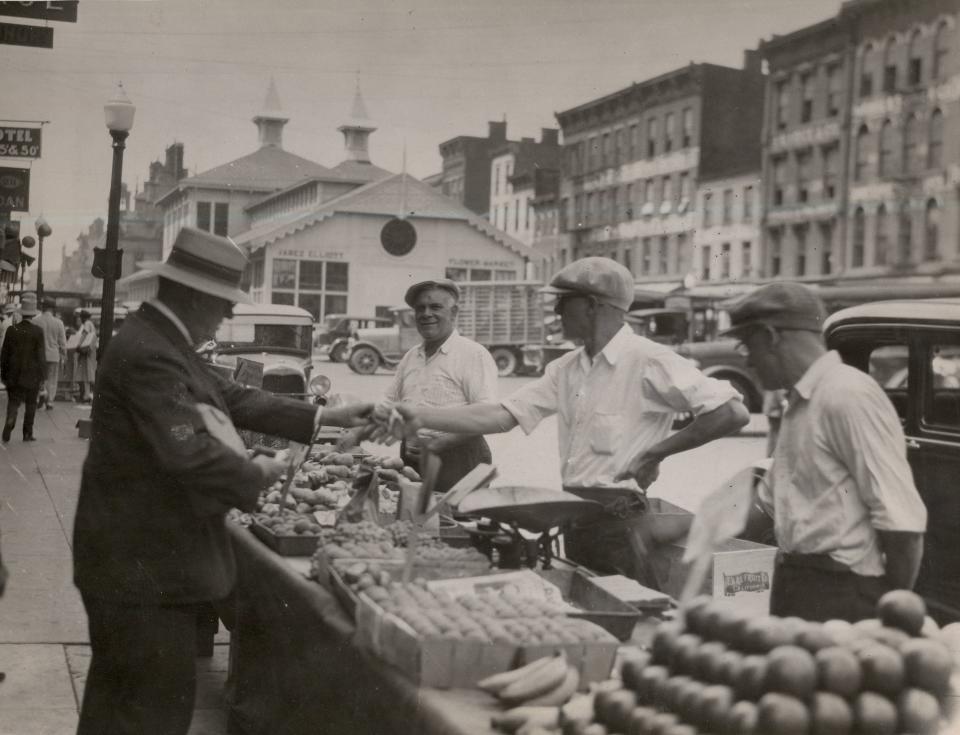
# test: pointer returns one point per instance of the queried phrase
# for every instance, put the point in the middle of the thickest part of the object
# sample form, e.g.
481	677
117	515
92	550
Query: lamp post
118	114
43	230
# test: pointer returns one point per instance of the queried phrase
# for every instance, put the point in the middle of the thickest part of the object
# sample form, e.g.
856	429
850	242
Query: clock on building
398	237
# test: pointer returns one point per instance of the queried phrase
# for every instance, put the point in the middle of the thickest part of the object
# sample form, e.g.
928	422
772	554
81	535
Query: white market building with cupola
347	239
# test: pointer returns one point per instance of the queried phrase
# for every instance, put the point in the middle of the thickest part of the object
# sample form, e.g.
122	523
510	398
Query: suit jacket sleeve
40	352
258	410
4	360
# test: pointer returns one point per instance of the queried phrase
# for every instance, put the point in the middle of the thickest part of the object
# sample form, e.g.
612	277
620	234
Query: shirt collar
815	373
444	348
611	351
174	319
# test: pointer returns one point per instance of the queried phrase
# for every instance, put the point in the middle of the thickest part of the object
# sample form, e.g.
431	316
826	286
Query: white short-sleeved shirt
614	406
840	470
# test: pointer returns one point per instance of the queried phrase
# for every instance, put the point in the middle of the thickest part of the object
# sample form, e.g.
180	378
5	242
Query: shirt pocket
606	430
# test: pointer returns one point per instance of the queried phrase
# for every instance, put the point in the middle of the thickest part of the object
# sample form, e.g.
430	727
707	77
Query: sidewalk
44	649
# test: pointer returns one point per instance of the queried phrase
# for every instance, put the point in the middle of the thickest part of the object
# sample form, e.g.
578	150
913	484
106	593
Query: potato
392	463
411	474
389	475
344	460
340	471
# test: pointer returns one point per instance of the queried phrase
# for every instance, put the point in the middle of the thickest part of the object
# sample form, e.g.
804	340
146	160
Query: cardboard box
742	572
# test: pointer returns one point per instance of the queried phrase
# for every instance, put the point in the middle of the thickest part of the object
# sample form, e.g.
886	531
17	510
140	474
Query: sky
429	70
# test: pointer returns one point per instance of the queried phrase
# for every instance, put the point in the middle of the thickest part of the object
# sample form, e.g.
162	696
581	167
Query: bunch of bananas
534	692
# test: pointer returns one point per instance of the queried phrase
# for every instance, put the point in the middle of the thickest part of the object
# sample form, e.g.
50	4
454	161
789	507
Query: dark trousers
142	677
819	594
28	397
455	462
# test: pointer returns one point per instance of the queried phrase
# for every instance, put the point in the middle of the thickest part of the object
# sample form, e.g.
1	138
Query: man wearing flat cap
616	398
446	369
165	465
848	518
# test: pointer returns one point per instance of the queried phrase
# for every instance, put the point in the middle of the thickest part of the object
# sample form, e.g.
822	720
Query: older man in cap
848	518
616	398
22	368
165	465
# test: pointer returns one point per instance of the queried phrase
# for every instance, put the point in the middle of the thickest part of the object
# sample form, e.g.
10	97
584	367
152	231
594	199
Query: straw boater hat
207	263
28	304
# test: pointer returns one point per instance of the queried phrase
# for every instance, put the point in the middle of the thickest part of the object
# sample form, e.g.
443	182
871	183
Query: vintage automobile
912	348
336	334
384	346
268	346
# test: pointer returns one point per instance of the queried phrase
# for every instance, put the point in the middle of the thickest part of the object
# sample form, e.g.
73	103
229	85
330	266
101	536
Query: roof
266	169
944	311
360	171
393	196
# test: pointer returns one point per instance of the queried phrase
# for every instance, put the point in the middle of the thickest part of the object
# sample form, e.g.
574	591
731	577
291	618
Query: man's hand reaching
644	468
354	415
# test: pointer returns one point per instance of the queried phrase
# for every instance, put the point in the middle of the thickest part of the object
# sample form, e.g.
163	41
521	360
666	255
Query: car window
888	366
942	402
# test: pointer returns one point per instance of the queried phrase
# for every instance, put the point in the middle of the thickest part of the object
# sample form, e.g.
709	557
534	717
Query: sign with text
12	34
62	10
14	189
18	142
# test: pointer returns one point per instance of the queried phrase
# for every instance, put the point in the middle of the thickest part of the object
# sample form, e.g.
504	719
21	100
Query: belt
824	562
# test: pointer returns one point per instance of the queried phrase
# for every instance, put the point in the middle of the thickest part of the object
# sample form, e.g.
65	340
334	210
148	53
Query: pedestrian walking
848	519
22	368
86	372
7	319
55	349
165	464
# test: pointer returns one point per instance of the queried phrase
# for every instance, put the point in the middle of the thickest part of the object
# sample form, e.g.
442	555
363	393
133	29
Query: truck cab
383	346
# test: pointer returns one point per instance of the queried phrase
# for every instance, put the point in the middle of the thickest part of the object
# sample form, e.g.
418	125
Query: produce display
369	541
720	671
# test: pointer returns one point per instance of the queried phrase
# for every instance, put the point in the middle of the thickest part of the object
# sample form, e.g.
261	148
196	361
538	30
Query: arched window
860	154
886	148
883	236
904	234
890	66
941	49
859	227
866	71
931	231
912	161
935	140
915	56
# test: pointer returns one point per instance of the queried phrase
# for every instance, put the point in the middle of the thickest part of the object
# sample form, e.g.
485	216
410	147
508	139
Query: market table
294	667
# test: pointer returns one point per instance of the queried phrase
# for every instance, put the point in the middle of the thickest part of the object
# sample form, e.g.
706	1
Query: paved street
43	637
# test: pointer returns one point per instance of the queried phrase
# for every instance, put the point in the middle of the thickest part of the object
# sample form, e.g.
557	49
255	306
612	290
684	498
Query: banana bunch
534	692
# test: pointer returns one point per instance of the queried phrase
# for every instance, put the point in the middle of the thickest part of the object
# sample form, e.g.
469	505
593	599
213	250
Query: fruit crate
596	604
294	545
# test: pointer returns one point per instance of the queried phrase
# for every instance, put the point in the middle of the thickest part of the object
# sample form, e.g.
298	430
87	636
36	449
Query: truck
503	316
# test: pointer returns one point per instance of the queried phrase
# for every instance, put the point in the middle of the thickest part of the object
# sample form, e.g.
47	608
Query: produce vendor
616	397
164	466
848	518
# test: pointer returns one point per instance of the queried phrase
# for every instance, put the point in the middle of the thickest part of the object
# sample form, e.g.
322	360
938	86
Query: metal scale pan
530	508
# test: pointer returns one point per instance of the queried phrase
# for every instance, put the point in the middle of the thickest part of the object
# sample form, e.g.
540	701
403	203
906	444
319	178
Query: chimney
752	60
174	161
497	131
549	136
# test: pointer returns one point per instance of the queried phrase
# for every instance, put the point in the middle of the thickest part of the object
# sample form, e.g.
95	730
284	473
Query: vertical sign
14	189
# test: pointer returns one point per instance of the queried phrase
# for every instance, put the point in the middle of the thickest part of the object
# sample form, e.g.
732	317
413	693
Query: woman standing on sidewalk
86	357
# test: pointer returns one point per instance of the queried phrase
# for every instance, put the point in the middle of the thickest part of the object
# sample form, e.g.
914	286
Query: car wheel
339	353
506	361
364	360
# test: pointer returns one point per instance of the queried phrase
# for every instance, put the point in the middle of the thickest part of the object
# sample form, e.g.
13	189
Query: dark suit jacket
156	486
22	361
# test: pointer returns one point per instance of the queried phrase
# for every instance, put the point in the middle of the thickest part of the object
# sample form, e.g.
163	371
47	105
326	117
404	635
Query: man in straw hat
848	518
164	467
23	368
616	398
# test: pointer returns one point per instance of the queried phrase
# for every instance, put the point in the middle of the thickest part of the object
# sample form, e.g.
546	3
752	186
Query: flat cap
603	278
783	305
442	283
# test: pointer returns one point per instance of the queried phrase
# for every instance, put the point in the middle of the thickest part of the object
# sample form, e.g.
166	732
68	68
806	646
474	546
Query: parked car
378	347
334	336
912	348
268	346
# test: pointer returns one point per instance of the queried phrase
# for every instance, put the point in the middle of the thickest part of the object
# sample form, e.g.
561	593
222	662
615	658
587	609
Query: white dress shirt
615	406
840	470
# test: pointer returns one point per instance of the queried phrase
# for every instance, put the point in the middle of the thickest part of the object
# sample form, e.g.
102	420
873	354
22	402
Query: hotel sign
14	189
18	142
62	10
13	34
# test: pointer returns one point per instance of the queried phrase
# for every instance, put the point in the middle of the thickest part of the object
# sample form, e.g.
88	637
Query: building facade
465	176
726	236
512	172
861	143
633	161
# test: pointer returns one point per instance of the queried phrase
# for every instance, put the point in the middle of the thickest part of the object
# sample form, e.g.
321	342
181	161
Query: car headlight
319	385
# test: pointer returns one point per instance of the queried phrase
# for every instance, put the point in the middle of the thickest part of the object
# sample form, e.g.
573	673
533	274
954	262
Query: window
782	107
935	140
286	299
725	261
607	158
666	198
889	66
628	203
590	216
882	240
284	274
776	251
679	253
806	91
746	258
664	266
779	180
904	234
866	71
685	186
220	212
748	194
256	274
886	149
888	365
496	179
931	230
311	274
941	40
632	143
687	127
594	153
914	54
203	216
651	137
705	263
645	256
668	132
826	247
707	209
912	162
800	235
617	146
804	174
516	216
727	206
942	404
861	154
834	90
859	228
615	214
831	170
637	144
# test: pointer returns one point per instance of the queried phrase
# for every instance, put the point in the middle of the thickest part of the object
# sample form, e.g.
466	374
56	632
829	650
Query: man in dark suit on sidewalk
165	466
23	368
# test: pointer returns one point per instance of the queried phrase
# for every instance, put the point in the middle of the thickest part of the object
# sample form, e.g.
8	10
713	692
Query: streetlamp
118	114
43	230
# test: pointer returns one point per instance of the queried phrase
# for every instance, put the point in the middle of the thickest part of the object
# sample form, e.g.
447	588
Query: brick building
466	167
514	168
633	161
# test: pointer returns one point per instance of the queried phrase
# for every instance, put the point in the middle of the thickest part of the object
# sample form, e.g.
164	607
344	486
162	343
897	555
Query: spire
356	131
270	120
